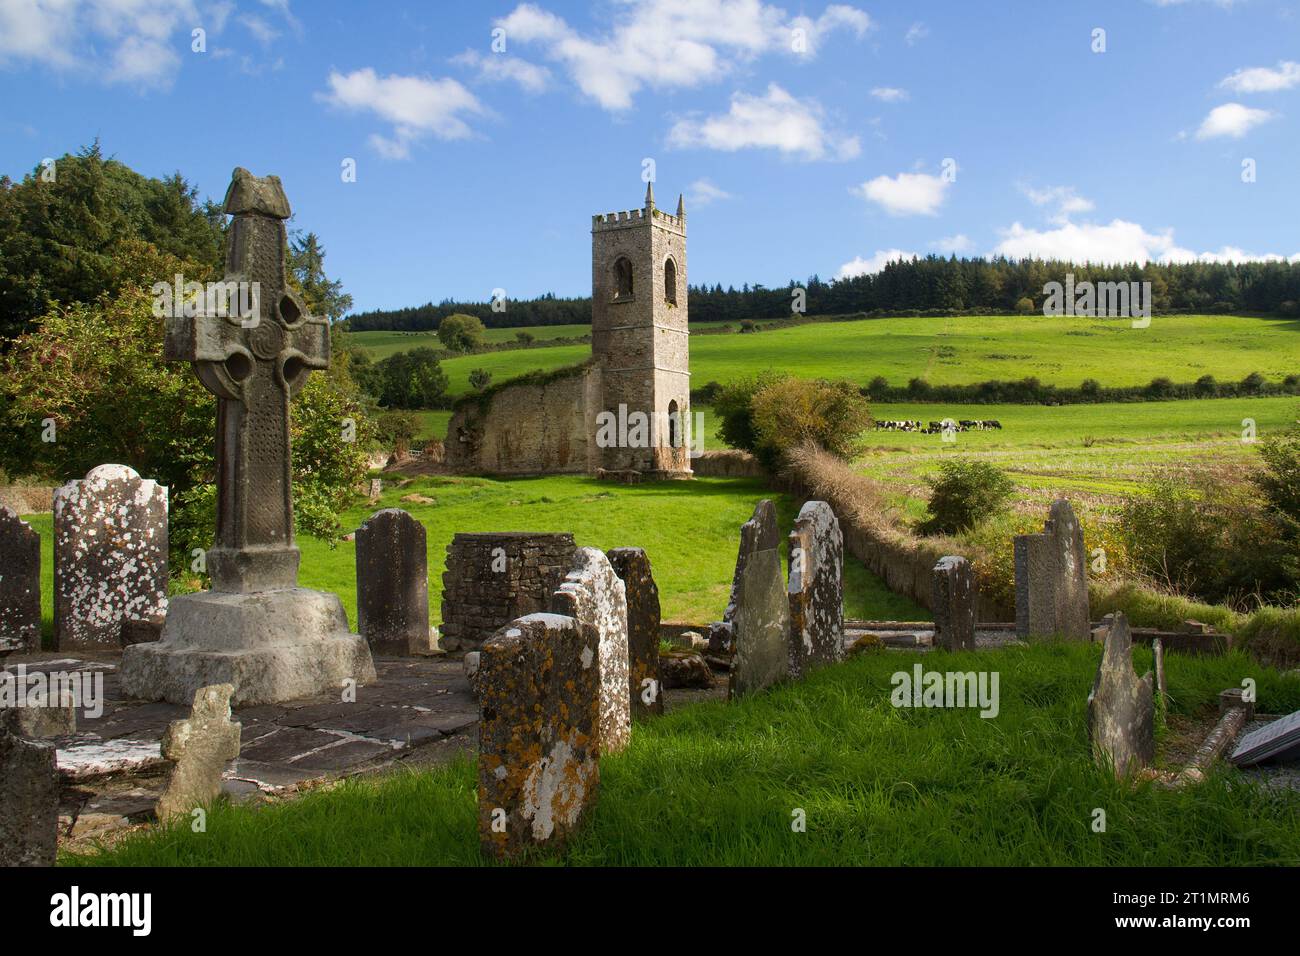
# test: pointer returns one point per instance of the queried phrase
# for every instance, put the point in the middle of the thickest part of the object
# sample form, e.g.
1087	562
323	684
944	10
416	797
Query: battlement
631	218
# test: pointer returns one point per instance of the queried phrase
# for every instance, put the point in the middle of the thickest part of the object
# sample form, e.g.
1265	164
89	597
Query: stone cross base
271	645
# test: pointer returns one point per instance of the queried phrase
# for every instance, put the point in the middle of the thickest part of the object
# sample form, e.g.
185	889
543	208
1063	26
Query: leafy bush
413	379
460	333
396	430
525	338
1024	305
965	493
733	404
480	379
790	412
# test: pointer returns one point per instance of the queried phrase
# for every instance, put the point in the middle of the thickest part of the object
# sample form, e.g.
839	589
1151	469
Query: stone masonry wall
529	427
493	578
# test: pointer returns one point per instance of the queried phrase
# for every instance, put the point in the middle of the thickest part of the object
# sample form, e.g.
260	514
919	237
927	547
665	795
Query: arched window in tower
670	281
674	424
622	278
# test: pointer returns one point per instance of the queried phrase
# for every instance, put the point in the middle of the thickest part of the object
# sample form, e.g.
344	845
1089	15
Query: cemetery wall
903	561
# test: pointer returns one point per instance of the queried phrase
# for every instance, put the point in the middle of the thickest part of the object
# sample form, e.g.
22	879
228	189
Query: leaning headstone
1280	739
376	489
36	712
1121	706
110	556
20	582
592	594
952	600
29	802
1052	578
644	685
538	763
393	583
759	611
199	748
256	629
816	589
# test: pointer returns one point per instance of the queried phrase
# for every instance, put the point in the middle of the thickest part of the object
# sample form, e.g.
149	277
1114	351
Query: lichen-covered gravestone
1052	578
20	582
1121	706
592	594
256	629
29	801
199	748
759	611
393	583
952	601
538	763
816	589
110	556
645	687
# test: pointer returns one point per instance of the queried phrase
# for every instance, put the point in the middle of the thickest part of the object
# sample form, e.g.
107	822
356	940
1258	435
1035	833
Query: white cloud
1064	200
120	41
774	121
496	67
958	243
415	105
666	44
1118	241
1232	119
907	194
702	192
1261	79
858	266
889	94
917	31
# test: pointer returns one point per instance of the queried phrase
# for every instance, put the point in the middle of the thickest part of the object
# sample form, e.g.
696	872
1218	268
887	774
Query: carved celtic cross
254	364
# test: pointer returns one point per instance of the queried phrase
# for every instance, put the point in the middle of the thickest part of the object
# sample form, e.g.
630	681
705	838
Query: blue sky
816	138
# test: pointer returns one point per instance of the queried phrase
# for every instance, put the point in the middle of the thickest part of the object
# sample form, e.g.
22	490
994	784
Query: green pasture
724	783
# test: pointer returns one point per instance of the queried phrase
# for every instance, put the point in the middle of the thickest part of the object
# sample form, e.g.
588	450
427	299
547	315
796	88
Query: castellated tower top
639	217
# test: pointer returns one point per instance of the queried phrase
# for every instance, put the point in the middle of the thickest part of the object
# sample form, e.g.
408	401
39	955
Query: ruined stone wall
493	578
535	425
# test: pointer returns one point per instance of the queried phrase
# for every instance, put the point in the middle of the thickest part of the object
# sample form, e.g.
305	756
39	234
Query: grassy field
719	784
690	530
380	345
1093	453
1062	351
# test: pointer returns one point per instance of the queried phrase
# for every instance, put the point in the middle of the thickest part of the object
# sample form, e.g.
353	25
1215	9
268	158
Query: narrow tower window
674	441
622	278
670	282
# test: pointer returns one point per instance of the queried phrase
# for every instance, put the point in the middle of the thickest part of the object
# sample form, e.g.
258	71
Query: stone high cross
254	364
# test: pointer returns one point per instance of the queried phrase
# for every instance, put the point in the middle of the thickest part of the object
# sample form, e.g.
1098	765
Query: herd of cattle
936	428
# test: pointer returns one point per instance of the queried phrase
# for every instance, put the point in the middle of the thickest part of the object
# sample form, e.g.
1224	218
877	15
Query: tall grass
721	783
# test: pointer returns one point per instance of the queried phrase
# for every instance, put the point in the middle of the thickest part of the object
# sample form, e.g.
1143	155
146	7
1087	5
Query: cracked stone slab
759	610
816	589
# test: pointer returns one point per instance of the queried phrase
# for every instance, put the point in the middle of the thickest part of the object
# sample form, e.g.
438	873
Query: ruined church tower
639	338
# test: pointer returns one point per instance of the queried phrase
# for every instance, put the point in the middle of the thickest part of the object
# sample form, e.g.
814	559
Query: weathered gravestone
1279	739
1052	578
538	763
199	748
645	687
816	589
493	578
20	582
1121	706
952	600
393	583
759	611
110	556
256	629
29	801
593	595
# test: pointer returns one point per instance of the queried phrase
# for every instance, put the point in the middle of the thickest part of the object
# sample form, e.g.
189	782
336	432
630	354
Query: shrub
747	325
413	379
480	379
524	338
1206	385
733	404
396	430
877	388
1160	387
1024	305
460	333
1090	387
964	494
1253	382
790	412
